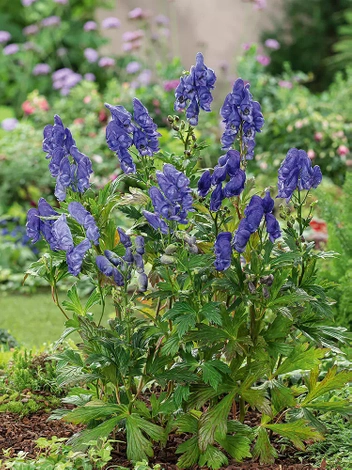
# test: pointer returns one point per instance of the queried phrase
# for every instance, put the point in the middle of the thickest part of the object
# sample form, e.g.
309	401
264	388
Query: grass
34	319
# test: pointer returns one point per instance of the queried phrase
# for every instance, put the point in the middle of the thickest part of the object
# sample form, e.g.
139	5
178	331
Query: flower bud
251	287
193	249
170	119
266	294
170	249
166	259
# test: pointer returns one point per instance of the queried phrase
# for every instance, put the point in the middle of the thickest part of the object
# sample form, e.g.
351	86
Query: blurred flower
106	62
4	36
28	108
91	54
133	67
285	84
263	59
51	21
299	124
318	136
63	2
61	51
31	29
29	46
11	49
65	79
132	35
162	20
9	124
272	44
41	69
259	4
246	46
144	78
27	3
110	23
311	154
90	77
90	26
170	85
137	14
343	150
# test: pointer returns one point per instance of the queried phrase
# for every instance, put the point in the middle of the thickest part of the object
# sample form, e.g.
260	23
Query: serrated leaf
301	358
214	420
263	449
212	372
211	312
332	381
187	423
257	399
181	394
94	410
212	458
179	308
281	396
171	346
103	430
185	323
237	446
296	431
190	452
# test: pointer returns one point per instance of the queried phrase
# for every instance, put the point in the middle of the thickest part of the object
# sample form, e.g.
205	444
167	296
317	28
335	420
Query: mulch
20	434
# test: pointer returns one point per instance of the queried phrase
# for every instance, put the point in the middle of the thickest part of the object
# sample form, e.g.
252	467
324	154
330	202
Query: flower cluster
119	268
223	251
296	172
122	133
194	90
172	201
58	143
228	166
254	212
242	116
46	221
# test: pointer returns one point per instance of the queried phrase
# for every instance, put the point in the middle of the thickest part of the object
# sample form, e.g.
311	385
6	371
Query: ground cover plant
217	303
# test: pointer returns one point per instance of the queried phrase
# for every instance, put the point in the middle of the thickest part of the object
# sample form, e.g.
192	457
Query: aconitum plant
212	287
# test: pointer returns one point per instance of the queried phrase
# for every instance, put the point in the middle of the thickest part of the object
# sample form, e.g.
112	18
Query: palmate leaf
332	381
262	448
211	312
187	423
178	309
212	372
257	399
190	452
214	420
94	410
301	358
298	296
237	446
80	441
138	446
212	458
281	396
296	431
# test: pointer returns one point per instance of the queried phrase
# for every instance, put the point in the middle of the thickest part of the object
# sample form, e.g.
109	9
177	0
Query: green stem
242	410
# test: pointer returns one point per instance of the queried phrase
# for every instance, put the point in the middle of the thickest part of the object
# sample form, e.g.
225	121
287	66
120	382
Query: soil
20	434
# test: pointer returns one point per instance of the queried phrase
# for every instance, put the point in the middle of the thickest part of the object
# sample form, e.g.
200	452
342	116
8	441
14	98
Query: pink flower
264	60
311	154
318	136
106	62
87	99
137	14
285	84
110	23
246	46
170	85
343	150
27	108
272	44
90	26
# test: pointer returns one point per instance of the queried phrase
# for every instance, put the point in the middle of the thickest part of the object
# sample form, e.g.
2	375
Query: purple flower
4	36
110	23
62	234
142	282
263	60
63	2
216	198
33	225
133	67
85	218
9	124
170	85
137	14
143	79
194	90
156	222
204	183
162	20
90	77
139	243
27	3
65	79
272	44
31	29
260	4
109	270
11	49
296	172
143	119
130	36
41	69
91	54
241	114
223	251
106	62
285	84
90	26
51	21
124	238
47	215
74	257
254	212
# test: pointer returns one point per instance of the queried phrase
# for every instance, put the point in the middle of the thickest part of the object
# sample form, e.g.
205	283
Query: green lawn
34	319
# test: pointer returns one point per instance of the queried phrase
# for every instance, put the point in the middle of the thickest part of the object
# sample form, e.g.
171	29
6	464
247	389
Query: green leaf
187	423
171	346
179	308
185	323
103	430
211	312
190	452
94	410
93	299
256	398
332	381
237	446
263	449
281	396
301	358
339	406
212	372
75	304
138	446
181	394
214	420
296	431
212	458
